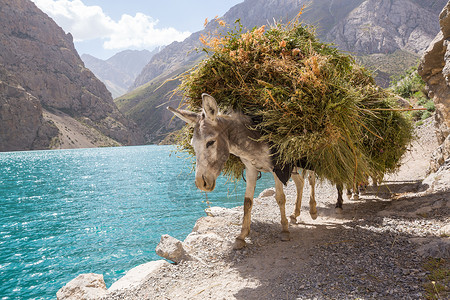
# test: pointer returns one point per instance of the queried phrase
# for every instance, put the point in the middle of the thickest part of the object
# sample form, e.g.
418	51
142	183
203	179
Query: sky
102	28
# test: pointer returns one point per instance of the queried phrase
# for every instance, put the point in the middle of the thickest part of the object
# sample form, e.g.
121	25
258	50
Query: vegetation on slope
143	106
410	85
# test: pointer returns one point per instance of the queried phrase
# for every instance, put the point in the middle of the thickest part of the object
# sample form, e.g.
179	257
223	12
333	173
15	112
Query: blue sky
104	27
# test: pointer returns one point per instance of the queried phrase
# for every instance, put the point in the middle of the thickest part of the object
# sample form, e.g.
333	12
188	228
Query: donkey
216	136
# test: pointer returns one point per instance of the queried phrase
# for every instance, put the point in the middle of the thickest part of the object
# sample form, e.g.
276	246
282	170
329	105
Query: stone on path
172	249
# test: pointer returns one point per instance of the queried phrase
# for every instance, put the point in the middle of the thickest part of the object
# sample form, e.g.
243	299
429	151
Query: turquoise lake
103	210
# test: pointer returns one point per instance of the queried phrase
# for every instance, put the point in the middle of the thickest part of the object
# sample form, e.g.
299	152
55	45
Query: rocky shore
377	248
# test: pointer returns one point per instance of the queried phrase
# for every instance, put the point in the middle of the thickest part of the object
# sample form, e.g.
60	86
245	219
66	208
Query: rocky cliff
22	125
435	70
388	35
384	26
119	71
48	72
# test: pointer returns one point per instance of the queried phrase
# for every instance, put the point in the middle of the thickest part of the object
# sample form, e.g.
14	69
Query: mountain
384	26
119	71
384	35
387	35
48	99
22	125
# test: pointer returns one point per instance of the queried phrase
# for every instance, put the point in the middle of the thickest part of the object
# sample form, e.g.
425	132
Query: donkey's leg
281	200
340	200
349	193
299	180
312	197
251	176
356	191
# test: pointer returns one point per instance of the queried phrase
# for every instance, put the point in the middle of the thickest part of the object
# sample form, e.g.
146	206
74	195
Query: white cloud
90	22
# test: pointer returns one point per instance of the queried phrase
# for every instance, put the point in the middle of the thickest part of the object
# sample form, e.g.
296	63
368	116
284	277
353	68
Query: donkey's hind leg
312	197
281	200
340	200
299	180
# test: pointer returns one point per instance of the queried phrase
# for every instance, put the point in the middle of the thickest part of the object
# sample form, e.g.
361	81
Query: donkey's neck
243	142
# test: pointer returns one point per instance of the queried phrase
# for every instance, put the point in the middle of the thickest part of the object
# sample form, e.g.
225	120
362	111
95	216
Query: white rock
445	230
84	286
267	193
438	181
138	275
217	211
172	249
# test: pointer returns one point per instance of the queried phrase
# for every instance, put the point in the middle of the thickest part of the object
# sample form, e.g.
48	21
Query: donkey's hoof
285	236
239	244
293	219
339	210
313	215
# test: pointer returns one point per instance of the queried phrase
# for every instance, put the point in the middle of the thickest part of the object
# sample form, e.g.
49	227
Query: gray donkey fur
215	137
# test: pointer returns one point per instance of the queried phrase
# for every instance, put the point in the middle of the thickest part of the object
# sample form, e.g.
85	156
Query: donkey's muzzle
205	184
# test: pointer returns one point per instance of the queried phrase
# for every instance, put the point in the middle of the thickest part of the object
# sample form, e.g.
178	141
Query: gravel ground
375	249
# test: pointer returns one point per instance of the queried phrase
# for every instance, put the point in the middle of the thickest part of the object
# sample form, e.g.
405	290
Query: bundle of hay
310	102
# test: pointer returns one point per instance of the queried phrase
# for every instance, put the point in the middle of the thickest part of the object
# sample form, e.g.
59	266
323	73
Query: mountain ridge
119	71
41	66
329	17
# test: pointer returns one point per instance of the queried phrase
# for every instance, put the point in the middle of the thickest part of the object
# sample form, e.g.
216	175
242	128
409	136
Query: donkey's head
210	142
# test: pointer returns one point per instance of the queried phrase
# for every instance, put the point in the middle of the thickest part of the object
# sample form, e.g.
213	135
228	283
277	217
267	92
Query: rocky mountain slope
384	26
119	71
43	76
22	125
384	34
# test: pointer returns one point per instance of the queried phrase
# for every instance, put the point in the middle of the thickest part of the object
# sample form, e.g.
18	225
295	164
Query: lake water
68	212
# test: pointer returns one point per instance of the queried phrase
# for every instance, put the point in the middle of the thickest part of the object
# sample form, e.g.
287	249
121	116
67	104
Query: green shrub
409	84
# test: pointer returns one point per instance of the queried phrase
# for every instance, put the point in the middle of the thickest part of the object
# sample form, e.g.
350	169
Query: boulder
435	71
172	249
84	286
437	248
437	182
138	275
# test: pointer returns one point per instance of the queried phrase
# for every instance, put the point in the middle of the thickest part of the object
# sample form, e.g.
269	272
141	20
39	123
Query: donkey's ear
185	115
209	107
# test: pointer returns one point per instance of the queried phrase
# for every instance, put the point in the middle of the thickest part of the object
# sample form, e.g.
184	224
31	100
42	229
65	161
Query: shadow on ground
367	252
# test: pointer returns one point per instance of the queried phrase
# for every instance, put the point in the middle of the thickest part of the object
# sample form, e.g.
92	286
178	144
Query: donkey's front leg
281	200
251	176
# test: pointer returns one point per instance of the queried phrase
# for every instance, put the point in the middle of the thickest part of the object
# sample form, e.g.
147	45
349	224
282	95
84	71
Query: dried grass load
311	102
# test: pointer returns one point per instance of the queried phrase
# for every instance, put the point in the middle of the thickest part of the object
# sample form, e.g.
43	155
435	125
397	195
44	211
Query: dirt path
376	249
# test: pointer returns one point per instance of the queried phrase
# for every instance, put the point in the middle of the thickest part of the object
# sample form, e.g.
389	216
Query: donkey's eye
210	143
